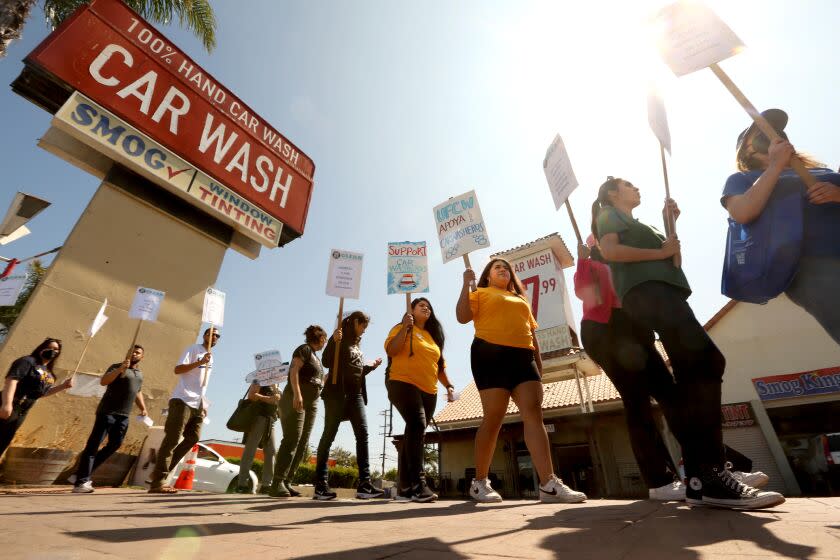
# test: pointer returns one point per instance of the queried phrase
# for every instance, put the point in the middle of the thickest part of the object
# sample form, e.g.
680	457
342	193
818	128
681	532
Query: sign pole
337	349
210	342
408	332
761	122
574	222
467	264
670	221
82	357
134	340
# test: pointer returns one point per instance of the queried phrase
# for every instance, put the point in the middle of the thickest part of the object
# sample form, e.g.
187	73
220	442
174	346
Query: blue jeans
813	289
114	426
351	407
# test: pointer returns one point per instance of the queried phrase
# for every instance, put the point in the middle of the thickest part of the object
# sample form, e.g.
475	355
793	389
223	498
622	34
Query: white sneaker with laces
83	488
554	491
756	479
673	492
481	491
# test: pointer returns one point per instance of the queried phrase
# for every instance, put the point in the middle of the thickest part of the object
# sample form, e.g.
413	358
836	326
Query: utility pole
386	431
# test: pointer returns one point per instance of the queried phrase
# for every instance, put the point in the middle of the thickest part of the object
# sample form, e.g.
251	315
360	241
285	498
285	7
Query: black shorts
501	367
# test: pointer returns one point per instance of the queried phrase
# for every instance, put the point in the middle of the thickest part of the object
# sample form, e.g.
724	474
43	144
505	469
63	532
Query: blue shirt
821	237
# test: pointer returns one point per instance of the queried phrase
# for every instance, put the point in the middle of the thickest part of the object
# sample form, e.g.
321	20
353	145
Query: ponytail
603	200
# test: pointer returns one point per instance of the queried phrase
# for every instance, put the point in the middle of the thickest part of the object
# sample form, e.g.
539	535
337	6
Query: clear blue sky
402	105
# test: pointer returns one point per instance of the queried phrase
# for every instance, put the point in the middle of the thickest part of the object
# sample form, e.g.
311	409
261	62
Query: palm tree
195	15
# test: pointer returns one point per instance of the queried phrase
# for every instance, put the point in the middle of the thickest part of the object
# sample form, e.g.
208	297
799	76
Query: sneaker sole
486	500
324	498
363	496
667	499
424	500
402	499
762	502
549	499
83	491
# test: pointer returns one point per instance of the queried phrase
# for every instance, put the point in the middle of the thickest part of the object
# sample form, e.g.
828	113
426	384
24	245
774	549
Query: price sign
542	277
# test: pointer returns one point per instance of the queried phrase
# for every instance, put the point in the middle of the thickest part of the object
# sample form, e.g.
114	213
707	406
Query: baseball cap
777	118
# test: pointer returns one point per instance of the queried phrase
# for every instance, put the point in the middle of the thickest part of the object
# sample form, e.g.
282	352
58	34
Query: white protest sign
99	320
344	277
558	172
213	311
408	267
268	360
146	304
542	277
10	288
86	385
460	226
690	36
658	120
264	378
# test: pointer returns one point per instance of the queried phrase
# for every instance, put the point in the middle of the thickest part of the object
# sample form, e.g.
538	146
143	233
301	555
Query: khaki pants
182	420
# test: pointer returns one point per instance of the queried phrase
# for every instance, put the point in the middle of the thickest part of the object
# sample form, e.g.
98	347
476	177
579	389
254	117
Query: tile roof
559	394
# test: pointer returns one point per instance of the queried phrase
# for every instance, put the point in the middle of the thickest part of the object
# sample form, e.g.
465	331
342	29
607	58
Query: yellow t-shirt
421	369
502	317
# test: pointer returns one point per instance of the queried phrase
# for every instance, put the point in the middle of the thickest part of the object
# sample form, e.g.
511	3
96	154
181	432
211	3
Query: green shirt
632	233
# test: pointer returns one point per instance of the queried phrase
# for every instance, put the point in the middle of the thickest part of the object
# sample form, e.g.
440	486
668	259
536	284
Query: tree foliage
35	272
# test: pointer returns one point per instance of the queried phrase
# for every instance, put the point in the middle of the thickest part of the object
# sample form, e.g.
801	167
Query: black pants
417	408
9	427
297	426
698	368
626	353
114	426
336	409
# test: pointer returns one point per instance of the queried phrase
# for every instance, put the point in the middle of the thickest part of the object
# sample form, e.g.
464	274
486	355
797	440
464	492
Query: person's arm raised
463	312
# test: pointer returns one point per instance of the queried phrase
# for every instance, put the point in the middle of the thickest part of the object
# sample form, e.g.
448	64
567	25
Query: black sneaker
404	496
718	487
323	492
366	491
423	494
292	492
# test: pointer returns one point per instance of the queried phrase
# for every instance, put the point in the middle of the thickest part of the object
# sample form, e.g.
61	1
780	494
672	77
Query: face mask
49	354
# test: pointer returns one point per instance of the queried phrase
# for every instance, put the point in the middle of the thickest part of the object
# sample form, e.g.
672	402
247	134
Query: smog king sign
116	59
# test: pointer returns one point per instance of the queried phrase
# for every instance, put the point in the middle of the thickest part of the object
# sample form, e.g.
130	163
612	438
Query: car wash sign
804	384
117	60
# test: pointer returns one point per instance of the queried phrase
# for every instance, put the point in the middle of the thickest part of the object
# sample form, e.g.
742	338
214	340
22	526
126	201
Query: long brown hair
44	345
514	285
603	200
745	159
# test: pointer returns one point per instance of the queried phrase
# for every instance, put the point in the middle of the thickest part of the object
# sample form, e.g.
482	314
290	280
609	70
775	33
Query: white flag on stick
690	36
213	311
658	119
558	172
99	320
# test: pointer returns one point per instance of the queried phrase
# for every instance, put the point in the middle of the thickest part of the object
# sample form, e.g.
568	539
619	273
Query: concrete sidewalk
189	526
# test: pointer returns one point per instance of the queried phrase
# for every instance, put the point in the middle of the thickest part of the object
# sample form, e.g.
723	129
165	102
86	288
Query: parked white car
213	473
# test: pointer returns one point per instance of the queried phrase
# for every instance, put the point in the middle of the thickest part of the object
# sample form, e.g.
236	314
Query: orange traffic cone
185	479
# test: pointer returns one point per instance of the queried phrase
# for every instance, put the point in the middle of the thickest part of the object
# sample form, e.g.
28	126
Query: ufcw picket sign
103	131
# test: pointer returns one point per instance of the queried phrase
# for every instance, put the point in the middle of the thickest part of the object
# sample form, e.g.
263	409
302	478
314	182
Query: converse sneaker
481	491
423	494
366	491
718	487
555	491
323	492
292	492
672	492
83	488
756	479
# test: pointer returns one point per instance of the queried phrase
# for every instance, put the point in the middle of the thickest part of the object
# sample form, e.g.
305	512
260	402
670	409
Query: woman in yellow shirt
415	354
505	359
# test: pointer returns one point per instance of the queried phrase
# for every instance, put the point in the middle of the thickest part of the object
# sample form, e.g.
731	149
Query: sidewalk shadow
650	530
429	547
137	534
411	511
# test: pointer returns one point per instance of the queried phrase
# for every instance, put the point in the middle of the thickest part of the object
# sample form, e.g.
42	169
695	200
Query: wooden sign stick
82	357
761	123
574	222
337	345
134	340
468	265
408	332
670	221
210	342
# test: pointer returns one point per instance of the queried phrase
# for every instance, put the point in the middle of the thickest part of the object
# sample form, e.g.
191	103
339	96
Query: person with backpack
415	366
653	293
506	363
764	181
345	397
298	409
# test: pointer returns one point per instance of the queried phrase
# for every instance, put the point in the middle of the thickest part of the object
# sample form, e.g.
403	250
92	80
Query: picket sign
145	307
658	121
98	321
408	272
344	279
561	179
692	37
212	312
460	228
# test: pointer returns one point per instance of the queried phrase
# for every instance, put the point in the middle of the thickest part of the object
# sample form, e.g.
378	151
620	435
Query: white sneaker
83	488
673	492
555	491
481	491
756	479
